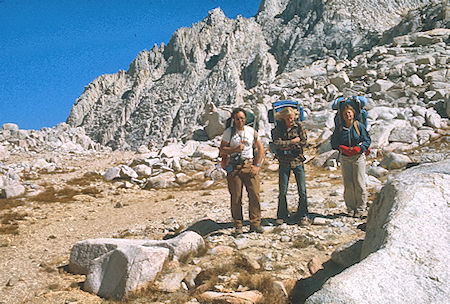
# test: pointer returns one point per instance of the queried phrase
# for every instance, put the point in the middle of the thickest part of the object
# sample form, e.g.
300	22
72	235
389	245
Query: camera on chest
234	160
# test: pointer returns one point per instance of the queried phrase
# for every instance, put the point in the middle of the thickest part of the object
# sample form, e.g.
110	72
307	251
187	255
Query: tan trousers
236	180
354	175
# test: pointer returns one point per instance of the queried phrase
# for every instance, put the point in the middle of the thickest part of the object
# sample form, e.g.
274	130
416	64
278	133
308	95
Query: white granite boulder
116	267
125	269
395	161
406	248
13	189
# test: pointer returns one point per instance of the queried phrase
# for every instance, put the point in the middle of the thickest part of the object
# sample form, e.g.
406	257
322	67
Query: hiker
242	169
289	137
352	140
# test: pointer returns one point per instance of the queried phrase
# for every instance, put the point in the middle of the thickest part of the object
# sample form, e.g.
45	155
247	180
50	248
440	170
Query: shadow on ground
306	287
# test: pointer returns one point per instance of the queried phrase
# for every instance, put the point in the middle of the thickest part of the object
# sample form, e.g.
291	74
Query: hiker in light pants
354	176
353	141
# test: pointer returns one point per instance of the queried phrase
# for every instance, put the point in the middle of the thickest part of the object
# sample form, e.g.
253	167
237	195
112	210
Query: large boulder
405	252
395	161
125	269
117	267
13	189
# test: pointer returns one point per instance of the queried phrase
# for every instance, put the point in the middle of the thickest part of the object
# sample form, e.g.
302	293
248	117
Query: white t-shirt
247	136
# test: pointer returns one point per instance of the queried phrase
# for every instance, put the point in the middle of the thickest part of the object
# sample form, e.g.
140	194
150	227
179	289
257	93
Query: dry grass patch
9	222
66	194
262	282
86	180
246	276
151	295
8	203
51	195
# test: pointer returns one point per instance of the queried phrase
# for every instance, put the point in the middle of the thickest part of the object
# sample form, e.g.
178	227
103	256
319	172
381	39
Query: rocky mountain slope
168	90
59	187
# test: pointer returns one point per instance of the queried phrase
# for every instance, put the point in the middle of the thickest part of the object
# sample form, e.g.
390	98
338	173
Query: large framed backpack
358	103
277	107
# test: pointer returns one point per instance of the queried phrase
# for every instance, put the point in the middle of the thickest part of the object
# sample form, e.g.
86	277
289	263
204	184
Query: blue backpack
358	103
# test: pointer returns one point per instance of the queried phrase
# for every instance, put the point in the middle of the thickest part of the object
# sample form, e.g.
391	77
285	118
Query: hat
285	112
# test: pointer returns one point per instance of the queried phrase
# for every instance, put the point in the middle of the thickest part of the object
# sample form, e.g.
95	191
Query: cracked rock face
167	91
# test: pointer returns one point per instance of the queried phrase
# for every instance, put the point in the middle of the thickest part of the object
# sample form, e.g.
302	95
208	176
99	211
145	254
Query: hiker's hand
344	149
295	140
239	148
356	150
254	170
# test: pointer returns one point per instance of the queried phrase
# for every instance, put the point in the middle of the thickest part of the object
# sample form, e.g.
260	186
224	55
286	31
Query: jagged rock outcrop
165	91
61	138
300	32
220	61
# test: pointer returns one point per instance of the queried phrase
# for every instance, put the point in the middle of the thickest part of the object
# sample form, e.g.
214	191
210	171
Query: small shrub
263	282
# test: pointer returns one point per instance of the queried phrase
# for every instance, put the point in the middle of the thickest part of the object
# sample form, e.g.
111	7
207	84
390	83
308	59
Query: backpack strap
356	125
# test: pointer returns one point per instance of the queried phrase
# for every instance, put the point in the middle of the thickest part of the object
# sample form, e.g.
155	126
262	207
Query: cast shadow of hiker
208	226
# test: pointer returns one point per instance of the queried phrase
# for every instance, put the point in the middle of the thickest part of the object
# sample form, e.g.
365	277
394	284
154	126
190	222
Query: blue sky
51	49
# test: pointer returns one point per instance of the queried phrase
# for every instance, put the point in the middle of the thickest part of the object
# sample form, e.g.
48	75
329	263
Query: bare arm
261	151
225	149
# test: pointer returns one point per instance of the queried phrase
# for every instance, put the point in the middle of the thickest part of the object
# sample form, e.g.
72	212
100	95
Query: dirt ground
38	234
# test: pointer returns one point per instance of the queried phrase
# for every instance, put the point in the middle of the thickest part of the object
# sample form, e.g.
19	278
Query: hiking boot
256	228
279	222
304	221
358	214
238	230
